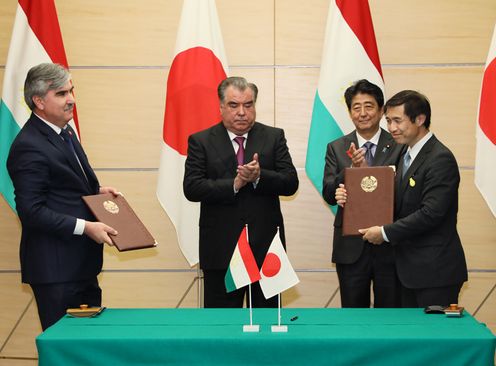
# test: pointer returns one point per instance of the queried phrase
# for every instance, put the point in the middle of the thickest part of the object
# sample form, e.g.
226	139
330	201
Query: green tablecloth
317	337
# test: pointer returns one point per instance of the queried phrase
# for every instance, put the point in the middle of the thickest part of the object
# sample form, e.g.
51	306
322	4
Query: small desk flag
243	268
277	273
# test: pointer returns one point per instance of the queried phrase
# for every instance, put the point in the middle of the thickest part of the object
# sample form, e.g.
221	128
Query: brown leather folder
370	200
116	212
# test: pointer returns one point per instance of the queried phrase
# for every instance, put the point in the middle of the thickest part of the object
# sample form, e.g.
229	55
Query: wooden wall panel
10	235
147	290
121	114
407	32
7	14
454	96
248	31
433	32
296	89
15	298
476	225
309	226
124	33
300	27
110	33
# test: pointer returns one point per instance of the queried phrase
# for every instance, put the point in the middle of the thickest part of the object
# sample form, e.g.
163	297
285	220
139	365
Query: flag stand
279	328
251	327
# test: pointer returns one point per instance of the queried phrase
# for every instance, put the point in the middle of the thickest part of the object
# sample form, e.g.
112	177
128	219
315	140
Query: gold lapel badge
412	182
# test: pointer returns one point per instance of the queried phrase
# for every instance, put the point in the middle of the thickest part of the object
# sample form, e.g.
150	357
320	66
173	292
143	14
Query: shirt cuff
79	229
255	183
384	236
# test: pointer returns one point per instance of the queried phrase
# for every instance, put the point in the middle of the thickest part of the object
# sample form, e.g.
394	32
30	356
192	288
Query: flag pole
251	327
251	308
279	328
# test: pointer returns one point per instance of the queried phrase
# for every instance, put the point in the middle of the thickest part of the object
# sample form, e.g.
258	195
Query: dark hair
237	82
414	103
364	86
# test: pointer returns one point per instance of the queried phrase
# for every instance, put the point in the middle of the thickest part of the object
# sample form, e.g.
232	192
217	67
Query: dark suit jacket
48	184
427	247
347	249
209	177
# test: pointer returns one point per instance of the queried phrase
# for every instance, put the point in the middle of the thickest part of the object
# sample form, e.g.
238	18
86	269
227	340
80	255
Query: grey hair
237	82
41	79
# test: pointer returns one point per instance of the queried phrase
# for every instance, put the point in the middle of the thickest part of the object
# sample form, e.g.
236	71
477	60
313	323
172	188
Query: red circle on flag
191	103
487	106
271	265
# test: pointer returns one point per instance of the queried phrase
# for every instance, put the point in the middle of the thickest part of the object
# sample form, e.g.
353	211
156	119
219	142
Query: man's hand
99	232
112	190
357	156
250	172
372	234
341	195
239	182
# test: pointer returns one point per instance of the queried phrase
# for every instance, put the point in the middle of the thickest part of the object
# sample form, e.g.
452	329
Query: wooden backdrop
120	52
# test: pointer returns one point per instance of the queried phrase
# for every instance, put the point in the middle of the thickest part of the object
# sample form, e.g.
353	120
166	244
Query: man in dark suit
61	246
360	264
234	192
429	255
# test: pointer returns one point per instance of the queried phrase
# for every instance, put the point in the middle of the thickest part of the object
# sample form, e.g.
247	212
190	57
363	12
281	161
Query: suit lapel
90	174
255	143
383	148
223	147
61	145
402	183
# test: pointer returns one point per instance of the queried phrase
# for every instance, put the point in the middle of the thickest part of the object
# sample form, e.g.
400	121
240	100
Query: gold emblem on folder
369	184
111	207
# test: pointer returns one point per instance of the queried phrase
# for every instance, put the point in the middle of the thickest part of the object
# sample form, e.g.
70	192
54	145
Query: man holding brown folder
61	245
360	264
428	251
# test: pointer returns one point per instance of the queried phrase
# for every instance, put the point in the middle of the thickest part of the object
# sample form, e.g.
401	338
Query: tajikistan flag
243	268
36	38
350	54
191	105
485	174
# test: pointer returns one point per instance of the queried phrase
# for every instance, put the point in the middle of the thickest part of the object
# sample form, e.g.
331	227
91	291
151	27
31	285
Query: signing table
314	337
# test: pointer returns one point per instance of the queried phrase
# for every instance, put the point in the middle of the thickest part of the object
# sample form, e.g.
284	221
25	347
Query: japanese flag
277	273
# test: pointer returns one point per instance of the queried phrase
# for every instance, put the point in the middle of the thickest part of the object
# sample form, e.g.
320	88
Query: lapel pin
412	182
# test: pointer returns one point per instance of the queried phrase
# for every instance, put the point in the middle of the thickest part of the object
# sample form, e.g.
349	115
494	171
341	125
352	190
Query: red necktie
240	155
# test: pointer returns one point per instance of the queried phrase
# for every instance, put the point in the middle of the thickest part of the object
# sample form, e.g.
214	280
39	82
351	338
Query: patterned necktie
240	155
369	156
407	159
67	138
66	135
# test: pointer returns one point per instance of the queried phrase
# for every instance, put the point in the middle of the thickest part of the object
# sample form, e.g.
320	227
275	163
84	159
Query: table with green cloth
315	336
